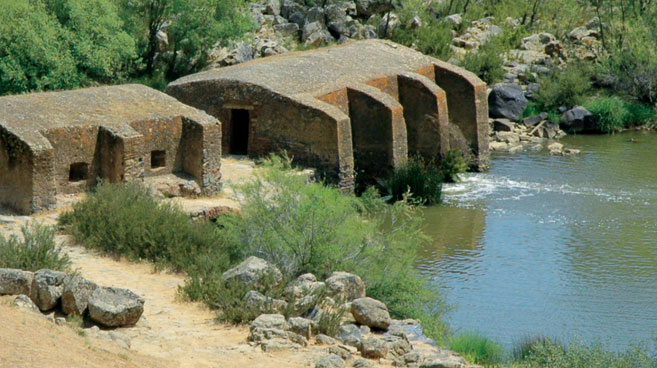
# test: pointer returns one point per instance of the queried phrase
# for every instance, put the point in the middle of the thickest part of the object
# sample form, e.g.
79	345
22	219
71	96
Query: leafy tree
101	48
33	52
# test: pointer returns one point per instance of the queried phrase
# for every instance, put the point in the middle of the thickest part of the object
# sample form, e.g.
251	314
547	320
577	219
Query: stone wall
15	172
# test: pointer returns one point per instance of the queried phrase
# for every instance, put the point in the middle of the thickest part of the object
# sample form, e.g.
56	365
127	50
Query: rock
254	272
398	346
350	334
371	312
260	303
24	302
273	7
15	282
455	20
287	29
162	40
304	285
362	363
301	326
341	351
330	361
113	307
386	28
373	348
270	321
260	334
498	146
578	120
580	33
571	151
325	340
503	125
555	146
47	288
508	137
315	14
345	287
444	358
507	101
415	22
75	296
315	34
533	120
515	148
290	7
277	345
367	8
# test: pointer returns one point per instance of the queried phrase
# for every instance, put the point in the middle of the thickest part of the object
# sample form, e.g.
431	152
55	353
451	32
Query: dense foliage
35	250
64	44
418	179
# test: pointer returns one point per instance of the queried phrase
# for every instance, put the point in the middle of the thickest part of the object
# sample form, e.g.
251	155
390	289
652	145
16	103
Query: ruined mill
360	106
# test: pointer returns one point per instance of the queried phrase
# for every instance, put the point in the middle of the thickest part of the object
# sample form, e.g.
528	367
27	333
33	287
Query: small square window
158	159
78	171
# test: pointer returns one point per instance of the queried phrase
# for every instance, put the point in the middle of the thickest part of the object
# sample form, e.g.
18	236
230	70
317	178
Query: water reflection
563	246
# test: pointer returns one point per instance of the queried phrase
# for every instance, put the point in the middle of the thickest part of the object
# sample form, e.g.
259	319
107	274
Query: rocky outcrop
113	307
579	120
330	361
15	282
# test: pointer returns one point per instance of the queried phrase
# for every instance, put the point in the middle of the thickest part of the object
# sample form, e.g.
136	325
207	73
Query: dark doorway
78	171
158	159
239	132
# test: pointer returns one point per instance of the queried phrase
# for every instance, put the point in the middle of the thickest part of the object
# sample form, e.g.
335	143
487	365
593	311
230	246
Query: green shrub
477	349
125	220
452	165
421	180
433	38
551	354
566	87
486	62
34	251
610	113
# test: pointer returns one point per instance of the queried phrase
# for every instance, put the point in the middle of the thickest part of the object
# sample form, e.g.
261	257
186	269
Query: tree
33	52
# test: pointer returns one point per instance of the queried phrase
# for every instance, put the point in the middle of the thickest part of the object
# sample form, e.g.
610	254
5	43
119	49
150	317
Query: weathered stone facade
362	106
62	142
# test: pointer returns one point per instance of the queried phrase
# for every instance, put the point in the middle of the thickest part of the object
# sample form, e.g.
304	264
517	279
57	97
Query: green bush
477	349
486	62
613	113
34	251
452	165
528	346
567	87
125	220
550	354
418	179
432	38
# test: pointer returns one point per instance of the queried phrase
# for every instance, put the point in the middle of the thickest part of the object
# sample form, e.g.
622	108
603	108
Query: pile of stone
290	22
366	332
47	290
506	103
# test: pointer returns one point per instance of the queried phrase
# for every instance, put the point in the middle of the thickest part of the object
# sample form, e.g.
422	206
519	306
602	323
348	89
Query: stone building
61	142
362	106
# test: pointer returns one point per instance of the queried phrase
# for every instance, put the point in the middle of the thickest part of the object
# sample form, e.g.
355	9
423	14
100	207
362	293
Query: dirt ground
171	332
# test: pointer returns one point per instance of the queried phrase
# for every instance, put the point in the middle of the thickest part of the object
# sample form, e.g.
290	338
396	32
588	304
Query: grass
418	179
35	250
612	113
478	349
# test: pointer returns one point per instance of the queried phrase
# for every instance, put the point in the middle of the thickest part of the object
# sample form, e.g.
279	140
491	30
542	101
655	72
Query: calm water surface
559	246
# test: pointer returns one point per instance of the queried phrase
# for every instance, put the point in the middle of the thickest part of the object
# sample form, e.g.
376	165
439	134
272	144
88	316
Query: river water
558	246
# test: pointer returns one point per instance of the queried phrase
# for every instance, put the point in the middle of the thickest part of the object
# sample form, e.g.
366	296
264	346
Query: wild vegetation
35	250
64	44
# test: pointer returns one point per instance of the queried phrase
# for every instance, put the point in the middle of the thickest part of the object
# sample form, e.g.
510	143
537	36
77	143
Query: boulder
287	29
257	302
270	321
503	125
300	326
362	363
444	358
341	351
254	272
75	296
507	101
47	288
15	282
24	302
578	120
315	34
330	361
350	334
273	7
367	8
289	7
304	285
455	20
345	287
325	340
371	312
387	27
373	348
530	121
114	307
508	137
